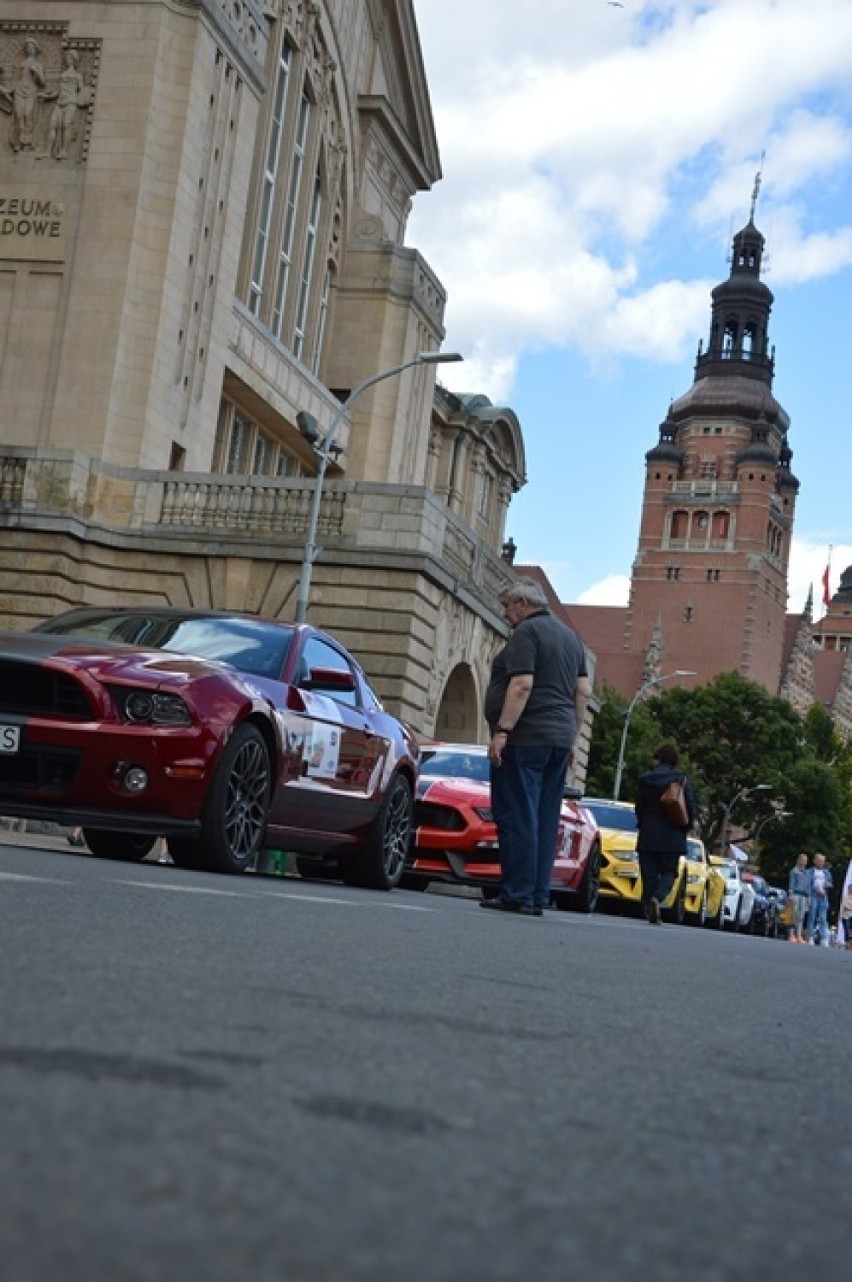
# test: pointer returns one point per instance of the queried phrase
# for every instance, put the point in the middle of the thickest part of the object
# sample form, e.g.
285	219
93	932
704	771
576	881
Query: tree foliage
733	736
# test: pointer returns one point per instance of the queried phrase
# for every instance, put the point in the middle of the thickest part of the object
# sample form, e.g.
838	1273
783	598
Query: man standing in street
534	704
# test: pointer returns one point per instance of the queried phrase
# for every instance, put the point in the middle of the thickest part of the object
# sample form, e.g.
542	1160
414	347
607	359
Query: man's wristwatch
500	730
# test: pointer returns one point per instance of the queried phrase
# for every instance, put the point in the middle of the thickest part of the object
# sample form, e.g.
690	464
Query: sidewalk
10	836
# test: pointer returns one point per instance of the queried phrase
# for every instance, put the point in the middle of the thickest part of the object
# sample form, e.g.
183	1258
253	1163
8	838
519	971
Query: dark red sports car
455	838
225	733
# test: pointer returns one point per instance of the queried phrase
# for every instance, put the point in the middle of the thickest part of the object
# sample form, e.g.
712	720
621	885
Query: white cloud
613	590
809	555
572	136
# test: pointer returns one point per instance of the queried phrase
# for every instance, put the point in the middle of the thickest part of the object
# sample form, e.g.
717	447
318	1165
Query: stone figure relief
28	86
70	97
46	92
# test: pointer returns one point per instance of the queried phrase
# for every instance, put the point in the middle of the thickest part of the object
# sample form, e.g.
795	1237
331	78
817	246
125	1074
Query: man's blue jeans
818	920
526	797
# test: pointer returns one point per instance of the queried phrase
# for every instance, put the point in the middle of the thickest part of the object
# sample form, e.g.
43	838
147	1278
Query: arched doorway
458	718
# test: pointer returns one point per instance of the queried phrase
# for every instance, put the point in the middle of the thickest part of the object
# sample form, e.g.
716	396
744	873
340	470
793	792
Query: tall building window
307	268
270	178
288	270
322	319
483	504
285	257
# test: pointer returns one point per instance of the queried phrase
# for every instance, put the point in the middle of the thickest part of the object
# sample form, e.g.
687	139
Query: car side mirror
336	680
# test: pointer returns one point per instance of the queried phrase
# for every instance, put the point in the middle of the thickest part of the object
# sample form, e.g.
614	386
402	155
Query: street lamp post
780	815
325	449
647	685
726	821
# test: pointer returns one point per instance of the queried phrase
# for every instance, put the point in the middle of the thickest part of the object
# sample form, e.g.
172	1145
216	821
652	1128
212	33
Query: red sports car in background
455	838
225	733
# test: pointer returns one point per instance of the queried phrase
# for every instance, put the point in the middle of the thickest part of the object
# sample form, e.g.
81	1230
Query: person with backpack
662	839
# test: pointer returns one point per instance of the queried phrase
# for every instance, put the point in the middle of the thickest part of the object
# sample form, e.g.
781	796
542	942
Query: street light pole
325	450
780	815
726	821
647	685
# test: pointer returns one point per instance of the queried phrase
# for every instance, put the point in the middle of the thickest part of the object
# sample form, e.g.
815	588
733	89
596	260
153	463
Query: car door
329	733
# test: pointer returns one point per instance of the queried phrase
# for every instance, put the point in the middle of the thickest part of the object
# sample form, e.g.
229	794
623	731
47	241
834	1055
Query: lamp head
439	358
308	426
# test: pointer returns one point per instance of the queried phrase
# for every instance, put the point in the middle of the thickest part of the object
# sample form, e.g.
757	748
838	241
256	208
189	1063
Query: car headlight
151	708
484	812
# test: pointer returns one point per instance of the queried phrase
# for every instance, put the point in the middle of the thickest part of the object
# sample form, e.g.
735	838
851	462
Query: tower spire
758	179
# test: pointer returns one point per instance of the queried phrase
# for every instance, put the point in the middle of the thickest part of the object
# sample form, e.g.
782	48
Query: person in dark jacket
660	844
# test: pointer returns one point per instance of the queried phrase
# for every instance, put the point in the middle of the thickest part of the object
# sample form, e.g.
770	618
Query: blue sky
597	161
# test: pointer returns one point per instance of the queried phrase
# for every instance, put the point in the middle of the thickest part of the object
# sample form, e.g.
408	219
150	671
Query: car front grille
28	690
37	769
427	814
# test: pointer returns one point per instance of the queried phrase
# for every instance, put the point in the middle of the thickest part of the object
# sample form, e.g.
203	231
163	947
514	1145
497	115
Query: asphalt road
277	1081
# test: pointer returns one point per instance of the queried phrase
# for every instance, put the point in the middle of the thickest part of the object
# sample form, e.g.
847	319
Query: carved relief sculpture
27	88
70	97
47	92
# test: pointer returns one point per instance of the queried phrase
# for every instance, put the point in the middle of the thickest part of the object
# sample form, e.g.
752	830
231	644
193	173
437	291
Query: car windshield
457	763
612	816
250	645
694	852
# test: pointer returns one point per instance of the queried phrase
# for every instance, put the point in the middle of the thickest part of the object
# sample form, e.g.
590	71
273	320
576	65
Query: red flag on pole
826	590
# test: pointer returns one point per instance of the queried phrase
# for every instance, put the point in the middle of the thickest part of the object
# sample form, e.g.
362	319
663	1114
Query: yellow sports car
621	878
705	888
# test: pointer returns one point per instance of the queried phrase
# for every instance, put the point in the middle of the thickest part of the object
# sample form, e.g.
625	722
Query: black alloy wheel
380	862
233	818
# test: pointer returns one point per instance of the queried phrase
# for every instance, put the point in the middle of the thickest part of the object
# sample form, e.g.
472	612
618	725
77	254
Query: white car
739	895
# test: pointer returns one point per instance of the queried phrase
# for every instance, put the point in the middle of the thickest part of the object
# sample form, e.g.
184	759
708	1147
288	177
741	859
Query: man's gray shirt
553	655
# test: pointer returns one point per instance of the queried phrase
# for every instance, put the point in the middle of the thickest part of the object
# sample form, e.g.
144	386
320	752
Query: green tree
643	735
814	797
736	736
733	736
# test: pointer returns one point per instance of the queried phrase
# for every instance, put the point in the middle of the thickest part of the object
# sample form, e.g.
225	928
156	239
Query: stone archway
458	718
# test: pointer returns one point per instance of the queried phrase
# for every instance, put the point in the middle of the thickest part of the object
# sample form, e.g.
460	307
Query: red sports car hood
451	789
125	663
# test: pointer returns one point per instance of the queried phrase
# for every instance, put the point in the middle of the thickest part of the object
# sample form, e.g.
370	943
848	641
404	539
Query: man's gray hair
529	590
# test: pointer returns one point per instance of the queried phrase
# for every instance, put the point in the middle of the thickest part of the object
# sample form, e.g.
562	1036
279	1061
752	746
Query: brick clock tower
709	583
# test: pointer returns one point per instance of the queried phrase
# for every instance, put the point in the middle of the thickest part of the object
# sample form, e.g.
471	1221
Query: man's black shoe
537	910
503	906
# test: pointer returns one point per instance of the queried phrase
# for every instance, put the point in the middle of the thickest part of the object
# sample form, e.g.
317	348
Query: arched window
700	525
680	525
721	524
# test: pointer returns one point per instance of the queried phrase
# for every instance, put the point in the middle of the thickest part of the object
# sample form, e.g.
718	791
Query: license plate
10	738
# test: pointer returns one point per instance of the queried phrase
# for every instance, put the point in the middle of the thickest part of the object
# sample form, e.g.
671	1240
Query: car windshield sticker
322	750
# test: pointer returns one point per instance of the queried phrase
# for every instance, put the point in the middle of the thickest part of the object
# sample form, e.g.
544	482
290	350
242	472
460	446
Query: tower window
679	525
721	525
673	572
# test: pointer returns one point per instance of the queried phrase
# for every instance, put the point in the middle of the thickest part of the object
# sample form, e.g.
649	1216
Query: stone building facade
203	209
